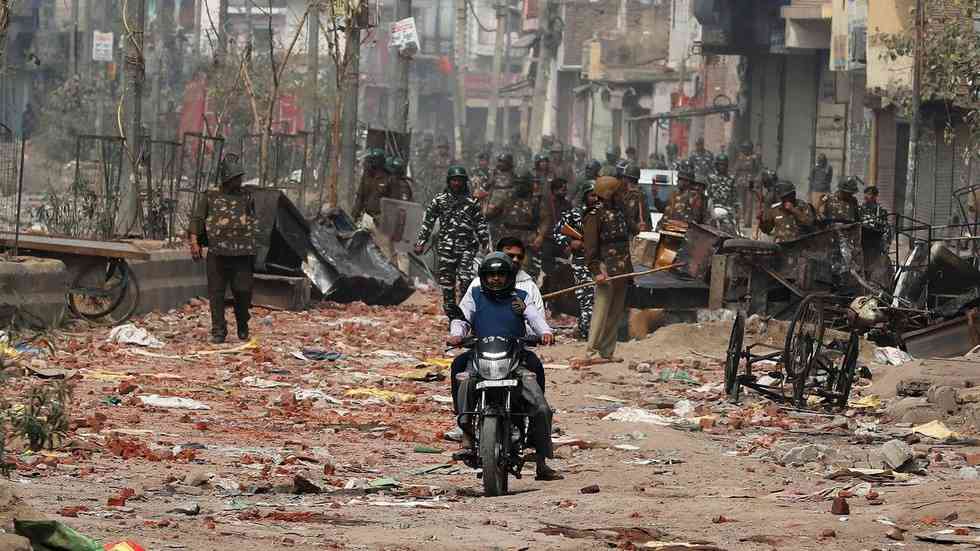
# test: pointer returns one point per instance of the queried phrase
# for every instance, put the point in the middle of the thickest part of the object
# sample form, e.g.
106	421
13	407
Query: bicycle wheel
804	336
734	357
109	291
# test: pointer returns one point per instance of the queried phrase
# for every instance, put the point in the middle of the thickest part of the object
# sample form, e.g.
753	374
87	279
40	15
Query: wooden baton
613	278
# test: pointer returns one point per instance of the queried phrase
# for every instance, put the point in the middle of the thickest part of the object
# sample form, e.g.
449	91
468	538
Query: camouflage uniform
225	219
524	217
607	249
501	188
480	178
747	167
608	168
462	230
685	205
787	225
840	209
721	191
704	163
400	187
585	296
876	217
635	209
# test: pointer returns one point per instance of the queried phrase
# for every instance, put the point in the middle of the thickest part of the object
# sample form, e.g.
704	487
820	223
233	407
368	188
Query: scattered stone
721	519
12	542
197	477
916	411
943	397
303	486
912	387
189	509
896	453
896	534
810	453
972	459
840	507
968	395
828	533
593	489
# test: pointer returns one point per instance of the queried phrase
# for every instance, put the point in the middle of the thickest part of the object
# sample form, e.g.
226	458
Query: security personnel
687	203
841	207
702	159
374	185
820	179
589	173
462	230
747	167
875	216
525	215
612	159
501	188
480	175
607	254
673	162
224	220
721	192
635	204
573	245
543	173
789	218
399	185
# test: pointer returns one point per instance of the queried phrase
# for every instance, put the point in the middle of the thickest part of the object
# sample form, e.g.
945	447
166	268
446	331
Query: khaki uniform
374	186
226	220
685	205
606	243
526	218
636	210
787	224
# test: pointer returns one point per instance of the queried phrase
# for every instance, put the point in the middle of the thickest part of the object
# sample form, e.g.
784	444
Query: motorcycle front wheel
493	439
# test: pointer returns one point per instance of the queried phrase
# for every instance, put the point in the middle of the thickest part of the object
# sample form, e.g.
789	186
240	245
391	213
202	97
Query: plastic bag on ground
891	356
637	415
172	402
130	334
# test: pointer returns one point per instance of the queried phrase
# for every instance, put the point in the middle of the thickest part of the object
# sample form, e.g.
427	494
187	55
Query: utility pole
398	97
505	134
128	213
348	141
498	53
913	166
312	65
459	96
222	29
541	76
73	44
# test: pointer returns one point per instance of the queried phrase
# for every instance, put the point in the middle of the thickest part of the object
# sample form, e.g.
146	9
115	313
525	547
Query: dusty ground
722	487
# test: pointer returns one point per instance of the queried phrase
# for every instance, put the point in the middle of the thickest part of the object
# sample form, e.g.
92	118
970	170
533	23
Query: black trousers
235	271
531	362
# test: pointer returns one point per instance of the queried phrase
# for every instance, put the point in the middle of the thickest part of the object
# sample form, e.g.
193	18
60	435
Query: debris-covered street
327	431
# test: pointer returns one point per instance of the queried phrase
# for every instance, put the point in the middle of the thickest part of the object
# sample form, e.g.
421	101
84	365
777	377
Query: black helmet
621	167
849	184
584	192
722	158
506	157
230	169
593	167
483	156
395	165
632	172
786	190
375	153
768	177
612	152
498	263
456	171
543	156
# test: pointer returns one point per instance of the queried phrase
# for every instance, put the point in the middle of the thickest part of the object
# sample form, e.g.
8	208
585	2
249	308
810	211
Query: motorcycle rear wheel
492	454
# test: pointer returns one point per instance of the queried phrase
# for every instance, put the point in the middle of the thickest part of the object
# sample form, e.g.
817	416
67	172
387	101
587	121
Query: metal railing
11	182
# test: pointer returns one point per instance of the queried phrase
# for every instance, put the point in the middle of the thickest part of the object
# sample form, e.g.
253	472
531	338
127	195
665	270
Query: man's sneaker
455	435
243	334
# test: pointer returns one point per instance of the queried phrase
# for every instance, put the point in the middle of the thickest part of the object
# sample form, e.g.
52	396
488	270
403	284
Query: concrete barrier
168	280
32	292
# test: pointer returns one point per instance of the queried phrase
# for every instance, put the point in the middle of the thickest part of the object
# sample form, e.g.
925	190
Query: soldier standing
568	235
635	204
875	216
480	175
747	167
589	174
607	253
399	185
462	230
525	215
789	218
702	159
820	179
612	159
687	203
721	193
841	207
501	188
521	153
374	185
224	220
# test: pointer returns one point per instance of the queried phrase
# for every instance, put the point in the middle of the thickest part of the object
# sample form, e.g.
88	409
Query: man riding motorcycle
497	309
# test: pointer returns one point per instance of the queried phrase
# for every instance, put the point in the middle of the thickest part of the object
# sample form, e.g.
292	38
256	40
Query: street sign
404	37
101	46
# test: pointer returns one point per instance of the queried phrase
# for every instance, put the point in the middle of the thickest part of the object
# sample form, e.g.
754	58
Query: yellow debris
935	429
386	395
871	401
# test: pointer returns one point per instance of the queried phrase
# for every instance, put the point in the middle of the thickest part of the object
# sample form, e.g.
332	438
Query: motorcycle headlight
493	370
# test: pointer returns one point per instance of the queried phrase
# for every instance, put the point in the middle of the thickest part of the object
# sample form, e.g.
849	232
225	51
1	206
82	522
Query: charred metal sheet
942	340
701	244
948	273
667	290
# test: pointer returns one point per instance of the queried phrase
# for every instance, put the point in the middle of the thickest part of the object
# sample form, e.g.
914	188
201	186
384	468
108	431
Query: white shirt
524	283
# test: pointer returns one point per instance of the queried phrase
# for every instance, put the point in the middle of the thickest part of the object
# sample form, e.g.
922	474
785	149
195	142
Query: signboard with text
102	46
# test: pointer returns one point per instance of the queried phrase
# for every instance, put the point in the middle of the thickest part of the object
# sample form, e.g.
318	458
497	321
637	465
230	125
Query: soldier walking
399	185
526	215
224	220
747	167
569	237
607	254
841	207
875	216
374	186
462	230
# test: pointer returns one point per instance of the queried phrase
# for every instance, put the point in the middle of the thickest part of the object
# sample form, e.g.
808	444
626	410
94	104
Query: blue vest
495	318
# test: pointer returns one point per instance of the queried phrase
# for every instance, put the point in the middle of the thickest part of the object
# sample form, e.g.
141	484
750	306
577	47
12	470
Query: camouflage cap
848	185
230	169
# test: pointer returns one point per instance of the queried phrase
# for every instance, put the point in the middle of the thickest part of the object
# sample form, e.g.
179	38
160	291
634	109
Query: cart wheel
734	357
848	371
112	293
804	336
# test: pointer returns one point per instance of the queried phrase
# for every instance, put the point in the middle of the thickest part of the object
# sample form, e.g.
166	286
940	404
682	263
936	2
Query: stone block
943	397
913	410
13	542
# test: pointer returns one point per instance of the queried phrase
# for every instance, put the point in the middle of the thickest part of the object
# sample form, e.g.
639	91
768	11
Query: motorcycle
500	421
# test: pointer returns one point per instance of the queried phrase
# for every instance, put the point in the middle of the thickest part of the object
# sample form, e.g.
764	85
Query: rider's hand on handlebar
196	253
454	341
547	339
